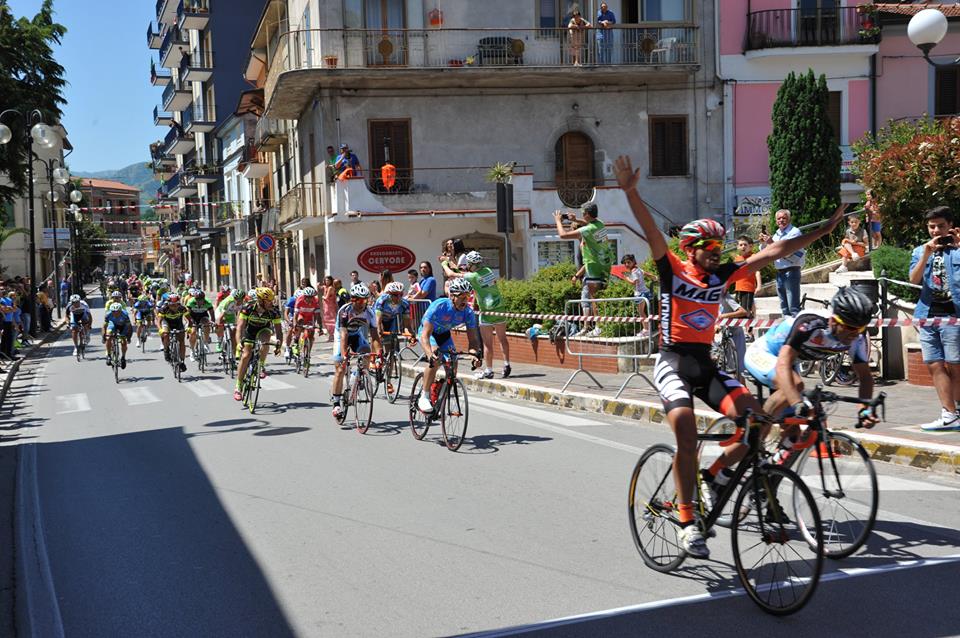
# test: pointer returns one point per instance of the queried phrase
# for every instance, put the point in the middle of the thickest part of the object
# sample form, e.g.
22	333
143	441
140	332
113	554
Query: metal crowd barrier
623	322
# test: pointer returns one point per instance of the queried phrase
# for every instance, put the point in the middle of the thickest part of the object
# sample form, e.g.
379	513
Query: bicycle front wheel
453	416
394	375
652	509
806	367
363	391
419	422
255	387
845	490
777	564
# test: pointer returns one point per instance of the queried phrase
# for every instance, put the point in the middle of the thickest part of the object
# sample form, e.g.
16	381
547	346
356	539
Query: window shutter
668	146
834	110
947	89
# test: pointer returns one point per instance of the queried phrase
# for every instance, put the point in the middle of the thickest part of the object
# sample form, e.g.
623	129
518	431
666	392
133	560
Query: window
390	141
9	215
835	114
555	251
947	92
549	14
656	11
668	146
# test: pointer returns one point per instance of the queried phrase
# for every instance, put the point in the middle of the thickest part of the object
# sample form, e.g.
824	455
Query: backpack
561	330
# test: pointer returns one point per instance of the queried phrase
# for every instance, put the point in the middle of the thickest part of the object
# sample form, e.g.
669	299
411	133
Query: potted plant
869	23
500	173
330	61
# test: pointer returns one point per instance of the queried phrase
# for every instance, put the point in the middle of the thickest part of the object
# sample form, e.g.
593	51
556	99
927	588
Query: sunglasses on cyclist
709	244
857	329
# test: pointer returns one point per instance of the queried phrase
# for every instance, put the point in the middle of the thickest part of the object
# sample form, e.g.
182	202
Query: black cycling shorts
681	375
251	333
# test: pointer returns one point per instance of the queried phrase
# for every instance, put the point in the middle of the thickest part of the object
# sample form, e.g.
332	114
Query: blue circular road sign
266	242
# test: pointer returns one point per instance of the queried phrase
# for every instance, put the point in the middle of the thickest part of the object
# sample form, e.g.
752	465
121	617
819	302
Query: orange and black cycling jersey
690	300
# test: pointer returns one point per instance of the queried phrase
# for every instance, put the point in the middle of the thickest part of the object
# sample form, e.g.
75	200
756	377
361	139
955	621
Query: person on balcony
347	166
605	21
577	29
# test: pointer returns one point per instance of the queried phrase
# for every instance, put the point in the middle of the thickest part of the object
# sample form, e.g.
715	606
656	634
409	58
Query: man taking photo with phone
935	266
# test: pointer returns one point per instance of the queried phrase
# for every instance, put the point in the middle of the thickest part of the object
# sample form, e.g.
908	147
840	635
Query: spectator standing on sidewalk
28	303
7	327
412	279
428	285
64	292
789	267
935	266
874	220
329	306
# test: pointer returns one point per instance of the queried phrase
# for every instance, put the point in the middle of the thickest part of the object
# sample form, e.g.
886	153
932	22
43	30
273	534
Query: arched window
574	172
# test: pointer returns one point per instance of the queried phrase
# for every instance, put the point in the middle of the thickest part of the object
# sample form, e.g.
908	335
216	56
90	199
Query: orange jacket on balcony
388	175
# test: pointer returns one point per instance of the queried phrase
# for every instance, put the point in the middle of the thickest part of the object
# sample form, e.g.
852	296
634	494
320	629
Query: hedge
896	261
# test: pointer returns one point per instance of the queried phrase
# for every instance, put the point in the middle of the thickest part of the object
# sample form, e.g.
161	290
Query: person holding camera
595	250
935	266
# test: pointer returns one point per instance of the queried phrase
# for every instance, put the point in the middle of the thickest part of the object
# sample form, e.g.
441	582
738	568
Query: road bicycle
449	398
843	481
143	331
81	341
250	384
838	368
200	351
228	357
304	346
390	371
359	395
724	351
174	348
777	536
114	356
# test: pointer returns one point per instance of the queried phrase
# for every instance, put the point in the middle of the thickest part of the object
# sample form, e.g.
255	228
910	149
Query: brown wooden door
390	141
575	176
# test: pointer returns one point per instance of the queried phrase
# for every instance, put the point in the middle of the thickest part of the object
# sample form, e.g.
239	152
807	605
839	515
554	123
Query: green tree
804	154
30	78
910	167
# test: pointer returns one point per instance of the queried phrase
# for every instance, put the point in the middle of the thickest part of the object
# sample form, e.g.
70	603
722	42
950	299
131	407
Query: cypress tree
804	152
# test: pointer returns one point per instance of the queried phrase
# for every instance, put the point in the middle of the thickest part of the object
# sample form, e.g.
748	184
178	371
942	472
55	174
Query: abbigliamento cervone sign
390	257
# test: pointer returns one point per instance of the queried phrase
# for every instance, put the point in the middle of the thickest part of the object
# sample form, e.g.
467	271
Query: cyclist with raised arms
812	336
442	316
355	329
691	291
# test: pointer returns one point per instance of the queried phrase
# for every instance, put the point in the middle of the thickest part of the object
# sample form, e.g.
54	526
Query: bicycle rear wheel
453	416
806	367
777	564
363	392
652	509
845	492
419	422
115	353
393	374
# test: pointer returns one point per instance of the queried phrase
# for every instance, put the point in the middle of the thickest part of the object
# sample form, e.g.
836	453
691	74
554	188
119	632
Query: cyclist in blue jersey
116	323
355	329
392	310
442	316
811	336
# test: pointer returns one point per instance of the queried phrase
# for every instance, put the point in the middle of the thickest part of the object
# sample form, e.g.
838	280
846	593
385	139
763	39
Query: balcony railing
158	78
176	96
173	48
269	133
154	36
193	14
197	66
476	48
160	118
448	180
302	200
837	26
176	142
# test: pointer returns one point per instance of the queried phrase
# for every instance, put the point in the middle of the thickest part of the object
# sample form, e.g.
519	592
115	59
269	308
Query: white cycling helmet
252	293
237	294
394	288
298	293
74	298
115	307
474	258
192	292
359	291
309	291
116	295
459	286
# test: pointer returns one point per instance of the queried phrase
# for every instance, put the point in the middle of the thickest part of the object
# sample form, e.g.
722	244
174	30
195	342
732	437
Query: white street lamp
61	175
926	29
76	197
44	136
5	134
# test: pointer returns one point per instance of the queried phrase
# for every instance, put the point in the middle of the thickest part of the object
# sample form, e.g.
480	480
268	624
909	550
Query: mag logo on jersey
689	292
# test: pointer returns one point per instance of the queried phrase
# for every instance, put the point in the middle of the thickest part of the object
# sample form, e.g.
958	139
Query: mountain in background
138	175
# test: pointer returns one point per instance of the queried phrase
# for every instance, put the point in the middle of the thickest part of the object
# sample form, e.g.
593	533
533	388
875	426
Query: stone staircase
769	307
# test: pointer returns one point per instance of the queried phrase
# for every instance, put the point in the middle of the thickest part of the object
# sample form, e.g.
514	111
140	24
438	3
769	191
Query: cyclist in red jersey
690	293
305	310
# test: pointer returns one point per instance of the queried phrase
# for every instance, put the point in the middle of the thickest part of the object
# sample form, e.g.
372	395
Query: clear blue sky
109	110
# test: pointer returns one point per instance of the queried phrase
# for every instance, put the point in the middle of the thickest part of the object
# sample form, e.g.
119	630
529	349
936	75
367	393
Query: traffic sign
266	242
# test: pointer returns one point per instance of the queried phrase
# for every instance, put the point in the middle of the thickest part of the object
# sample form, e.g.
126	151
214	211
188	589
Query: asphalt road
167	510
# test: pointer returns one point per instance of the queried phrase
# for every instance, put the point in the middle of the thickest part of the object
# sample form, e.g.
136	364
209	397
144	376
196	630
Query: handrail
899	283
826	26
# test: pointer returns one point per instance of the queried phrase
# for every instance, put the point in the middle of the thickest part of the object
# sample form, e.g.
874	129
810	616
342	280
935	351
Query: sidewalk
898	439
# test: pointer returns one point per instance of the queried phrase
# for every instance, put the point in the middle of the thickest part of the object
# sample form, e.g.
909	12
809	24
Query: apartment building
115	207
443	91
201	45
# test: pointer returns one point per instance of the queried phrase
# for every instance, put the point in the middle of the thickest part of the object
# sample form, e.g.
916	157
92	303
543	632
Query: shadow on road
143	543
493	442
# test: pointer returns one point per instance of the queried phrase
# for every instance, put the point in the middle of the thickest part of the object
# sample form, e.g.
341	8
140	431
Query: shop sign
396	259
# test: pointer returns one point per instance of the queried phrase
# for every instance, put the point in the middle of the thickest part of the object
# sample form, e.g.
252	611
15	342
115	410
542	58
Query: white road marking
554	416
841	574
67	403
139	395
274	384
205	388
574	434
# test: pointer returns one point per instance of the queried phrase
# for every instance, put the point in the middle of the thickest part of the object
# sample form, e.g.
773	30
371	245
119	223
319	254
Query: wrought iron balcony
176	97
199	118
158	78
177	142
836	26
160	118
154	36
166	11
196	66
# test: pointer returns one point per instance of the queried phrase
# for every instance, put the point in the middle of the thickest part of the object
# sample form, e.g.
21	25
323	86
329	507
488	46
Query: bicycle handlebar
819	395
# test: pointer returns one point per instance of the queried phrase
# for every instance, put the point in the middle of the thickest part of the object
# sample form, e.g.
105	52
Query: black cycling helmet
852	307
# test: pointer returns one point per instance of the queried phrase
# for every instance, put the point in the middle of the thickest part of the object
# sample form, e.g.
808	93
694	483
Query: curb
935	457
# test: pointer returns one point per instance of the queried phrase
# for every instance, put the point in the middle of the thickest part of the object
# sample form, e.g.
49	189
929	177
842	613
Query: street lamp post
44	137
926	29
76	196
56	178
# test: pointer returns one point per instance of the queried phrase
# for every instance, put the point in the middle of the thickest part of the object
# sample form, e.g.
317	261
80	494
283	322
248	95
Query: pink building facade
873	77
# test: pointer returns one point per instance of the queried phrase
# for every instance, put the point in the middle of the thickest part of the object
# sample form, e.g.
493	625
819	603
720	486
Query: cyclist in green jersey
227	313
258	319
200	318
489	300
